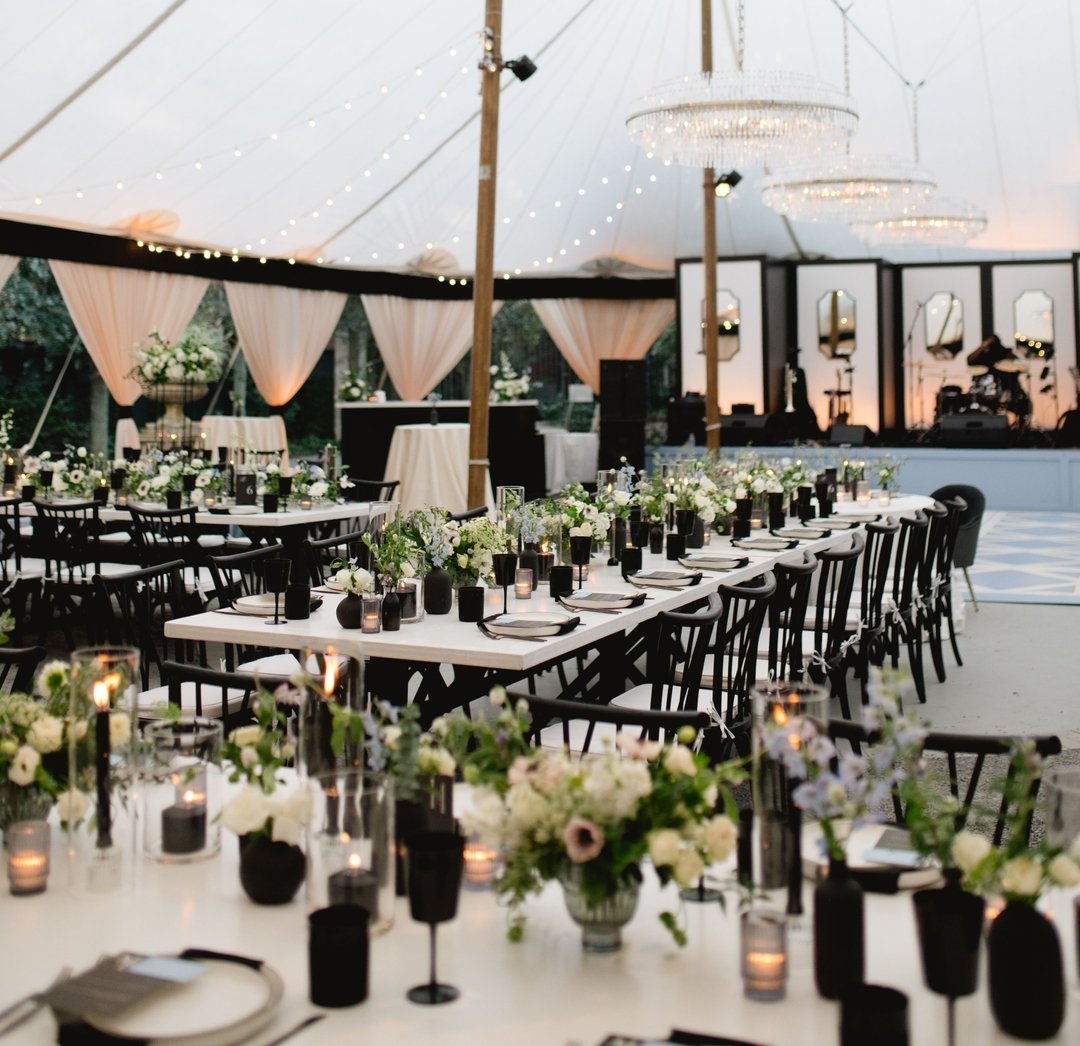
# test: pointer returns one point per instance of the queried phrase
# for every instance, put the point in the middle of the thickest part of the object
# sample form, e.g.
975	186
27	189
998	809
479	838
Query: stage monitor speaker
622	390
744	429
975	430
850	435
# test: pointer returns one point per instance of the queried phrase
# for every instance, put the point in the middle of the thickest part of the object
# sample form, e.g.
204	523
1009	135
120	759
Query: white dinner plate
765	544
259	605
228	1003
531	623
664	578
846	512
835	523
805	533
331	585
587	600
864	855
243	510
713	562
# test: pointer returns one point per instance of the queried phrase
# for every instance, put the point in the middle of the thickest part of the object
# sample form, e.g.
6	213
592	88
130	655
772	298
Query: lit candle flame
330	678
101	696
354	862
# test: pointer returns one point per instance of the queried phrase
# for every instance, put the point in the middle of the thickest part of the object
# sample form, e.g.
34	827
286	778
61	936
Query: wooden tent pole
484	277
711	332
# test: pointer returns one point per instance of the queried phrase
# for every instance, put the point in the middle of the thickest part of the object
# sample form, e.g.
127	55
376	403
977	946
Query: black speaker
974	430
741	429
622	390
850	435
622	439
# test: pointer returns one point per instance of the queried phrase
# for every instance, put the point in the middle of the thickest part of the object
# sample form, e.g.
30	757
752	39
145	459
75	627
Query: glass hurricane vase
601	921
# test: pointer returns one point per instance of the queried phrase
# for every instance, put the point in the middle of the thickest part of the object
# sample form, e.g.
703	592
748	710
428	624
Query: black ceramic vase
529	559
438	591
696	537
684	521
391	612
838	931
350	611
1027	980
950	923
270	872
656	539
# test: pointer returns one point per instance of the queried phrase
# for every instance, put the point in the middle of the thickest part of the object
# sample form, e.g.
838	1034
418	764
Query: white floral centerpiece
507	384
353	580
581	515
354	387
257	753
593	822
196	358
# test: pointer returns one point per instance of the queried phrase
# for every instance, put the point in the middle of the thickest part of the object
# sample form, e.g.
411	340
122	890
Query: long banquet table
443	640
543	991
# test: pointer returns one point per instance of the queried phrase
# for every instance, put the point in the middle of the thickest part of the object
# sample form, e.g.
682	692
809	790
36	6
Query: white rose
719	836
969	849
582	531
245	735
688	868
1064	871
247	812
622	497
23	765
680	760
119	730
71	806
407	569
285	830
1022	876
664	846
391	735
248	757
46	734
462	560
296	806
318	489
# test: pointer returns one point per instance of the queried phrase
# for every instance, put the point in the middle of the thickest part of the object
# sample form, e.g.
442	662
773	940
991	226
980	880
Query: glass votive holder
523	583
183	789
305	503
884	497
371	613
862	491
27	844
764	955
209	501
480	862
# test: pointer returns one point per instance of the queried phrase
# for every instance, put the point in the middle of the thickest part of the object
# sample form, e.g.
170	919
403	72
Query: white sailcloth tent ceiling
348	131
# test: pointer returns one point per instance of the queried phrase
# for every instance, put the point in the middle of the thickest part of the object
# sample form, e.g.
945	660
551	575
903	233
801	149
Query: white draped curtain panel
115	309
283	332
7	267
420	341
588	330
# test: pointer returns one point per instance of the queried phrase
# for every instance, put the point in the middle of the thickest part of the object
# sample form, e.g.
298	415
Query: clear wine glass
435	863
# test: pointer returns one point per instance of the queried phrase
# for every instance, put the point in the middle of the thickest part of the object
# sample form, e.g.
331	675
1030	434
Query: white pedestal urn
174	394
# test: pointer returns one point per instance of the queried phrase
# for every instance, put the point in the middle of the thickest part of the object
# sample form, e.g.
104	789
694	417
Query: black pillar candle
470	603
357	886
631	560
676	546
561	580
183	828
103	759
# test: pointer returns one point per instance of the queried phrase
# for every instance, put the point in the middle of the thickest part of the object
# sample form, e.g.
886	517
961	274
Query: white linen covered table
432	464
257	434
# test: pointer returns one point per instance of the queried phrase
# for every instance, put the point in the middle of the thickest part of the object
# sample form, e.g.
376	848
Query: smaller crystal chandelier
852	189
744	118
936	222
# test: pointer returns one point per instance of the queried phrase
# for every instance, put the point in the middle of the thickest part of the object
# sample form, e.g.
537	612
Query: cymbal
1011	366
976	371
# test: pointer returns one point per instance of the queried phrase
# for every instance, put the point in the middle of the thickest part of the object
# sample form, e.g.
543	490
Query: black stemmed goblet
504	564
580	553
187	483
284	490
276	575
435	862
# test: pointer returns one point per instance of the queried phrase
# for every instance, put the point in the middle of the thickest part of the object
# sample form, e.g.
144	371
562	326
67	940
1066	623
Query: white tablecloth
222	430
432	464
570	457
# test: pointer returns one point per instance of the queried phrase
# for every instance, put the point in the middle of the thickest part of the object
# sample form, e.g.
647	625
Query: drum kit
992	390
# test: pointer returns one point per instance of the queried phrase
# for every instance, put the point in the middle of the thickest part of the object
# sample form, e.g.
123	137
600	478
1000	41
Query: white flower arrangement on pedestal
507	385
196	358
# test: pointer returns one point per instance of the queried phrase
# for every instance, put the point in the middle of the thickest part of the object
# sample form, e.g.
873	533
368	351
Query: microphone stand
905	356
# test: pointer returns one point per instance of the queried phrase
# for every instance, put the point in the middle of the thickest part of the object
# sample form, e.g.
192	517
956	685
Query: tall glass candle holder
103	769
27	846
509	501
780	705
764	955
349	843
183	791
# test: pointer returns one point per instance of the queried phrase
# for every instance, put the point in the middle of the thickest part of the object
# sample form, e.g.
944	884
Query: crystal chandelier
935	222
744	118
853	189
